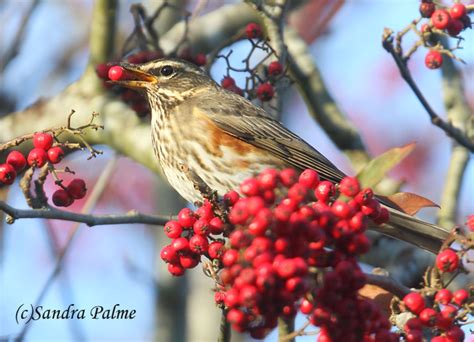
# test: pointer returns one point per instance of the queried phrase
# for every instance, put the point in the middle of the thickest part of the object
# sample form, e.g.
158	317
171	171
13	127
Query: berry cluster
75	190
263	88
136	100
440	318
193	234
43	152
269	246
451	21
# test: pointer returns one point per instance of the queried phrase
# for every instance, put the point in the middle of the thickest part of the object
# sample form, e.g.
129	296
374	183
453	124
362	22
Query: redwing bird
224	139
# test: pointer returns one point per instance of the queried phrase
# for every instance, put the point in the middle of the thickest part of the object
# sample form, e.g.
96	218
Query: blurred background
120	264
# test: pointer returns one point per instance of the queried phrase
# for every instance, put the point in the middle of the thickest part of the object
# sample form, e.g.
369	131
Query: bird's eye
166	70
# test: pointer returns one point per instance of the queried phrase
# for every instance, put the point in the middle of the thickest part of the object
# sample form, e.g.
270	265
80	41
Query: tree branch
459	113
132	217
224	328
102	35
455	133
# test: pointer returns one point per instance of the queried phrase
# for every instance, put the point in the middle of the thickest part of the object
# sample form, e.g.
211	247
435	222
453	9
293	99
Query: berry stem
286	326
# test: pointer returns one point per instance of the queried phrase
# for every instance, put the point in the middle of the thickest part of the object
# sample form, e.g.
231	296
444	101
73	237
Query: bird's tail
412	230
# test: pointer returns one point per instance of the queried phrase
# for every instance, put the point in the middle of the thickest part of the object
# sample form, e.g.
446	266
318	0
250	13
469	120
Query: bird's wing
240	118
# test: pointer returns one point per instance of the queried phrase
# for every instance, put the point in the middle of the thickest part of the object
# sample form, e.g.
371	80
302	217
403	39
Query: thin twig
14	49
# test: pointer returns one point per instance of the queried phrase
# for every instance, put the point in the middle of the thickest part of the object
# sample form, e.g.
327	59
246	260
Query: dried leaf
410	203
380	296
378	167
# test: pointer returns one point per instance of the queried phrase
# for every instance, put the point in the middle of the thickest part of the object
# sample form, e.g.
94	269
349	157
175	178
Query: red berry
443	296
7	174
168	254
455	334
200	59
173	229
205	211
371	208
428	317
458	11
61	198
216	250
455	27
42	140
227	82
439	339
176	270
440	19
268	179
102	70
55	154
427	9
460	296
414	336
364	196
201	227
341	209
413	324
265	92
37	157
249	187
414	302
288	177
116	73
306	307
189	260
253	30
17	160
186	217
248	295
324	191
469	221
383	217
349	186
298	192
198	244
230	257
235	316
77	188
216	226
180	244
231	197
447	260
309	178
275	68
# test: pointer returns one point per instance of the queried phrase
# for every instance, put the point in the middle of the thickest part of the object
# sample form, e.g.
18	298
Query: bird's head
169	77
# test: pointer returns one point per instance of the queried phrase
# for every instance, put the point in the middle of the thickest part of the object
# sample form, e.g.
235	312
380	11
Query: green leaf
378	167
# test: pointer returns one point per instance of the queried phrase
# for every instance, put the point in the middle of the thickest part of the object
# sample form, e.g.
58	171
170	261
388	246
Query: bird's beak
135	78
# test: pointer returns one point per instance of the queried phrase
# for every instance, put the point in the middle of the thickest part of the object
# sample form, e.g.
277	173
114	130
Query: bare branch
131	217
458	135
